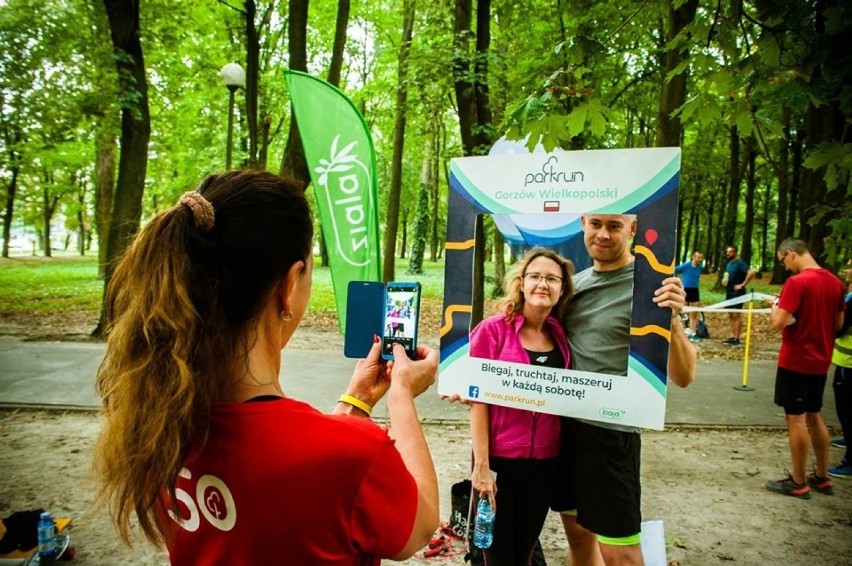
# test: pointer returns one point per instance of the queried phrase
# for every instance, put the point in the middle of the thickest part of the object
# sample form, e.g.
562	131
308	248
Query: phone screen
402	311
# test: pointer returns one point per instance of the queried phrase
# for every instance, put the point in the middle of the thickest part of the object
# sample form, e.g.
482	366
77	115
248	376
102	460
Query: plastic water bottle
483	531
46	539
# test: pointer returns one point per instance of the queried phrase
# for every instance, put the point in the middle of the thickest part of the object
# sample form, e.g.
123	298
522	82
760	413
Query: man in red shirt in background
808	313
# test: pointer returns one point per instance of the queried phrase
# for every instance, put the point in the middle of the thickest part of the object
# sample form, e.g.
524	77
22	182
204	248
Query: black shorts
599	478
732	294
691	294
799	393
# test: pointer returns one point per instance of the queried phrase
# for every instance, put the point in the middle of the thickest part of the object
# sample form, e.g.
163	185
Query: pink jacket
517	433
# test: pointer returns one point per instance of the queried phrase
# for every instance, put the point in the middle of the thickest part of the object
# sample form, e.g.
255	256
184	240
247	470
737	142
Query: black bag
460	512
701	329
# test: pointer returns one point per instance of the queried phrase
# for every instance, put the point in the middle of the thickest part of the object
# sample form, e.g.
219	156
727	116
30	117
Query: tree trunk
673	94
765	262
48	206
421	214
781	216
687	236
719	249
81	217
794	213
340	27
252	78
135	131
435	190
729	233
499	258
471	88
263	150
394	194
105	150
821	205
11	190
748	222
826	123
293	164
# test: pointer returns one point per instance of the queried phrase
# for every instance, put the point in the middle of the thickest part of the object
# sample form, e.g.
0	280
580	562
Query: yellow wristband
356	402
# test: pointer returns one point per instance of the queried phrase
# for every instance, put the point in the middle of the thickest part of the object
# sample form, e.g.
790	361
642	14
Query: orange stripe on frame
651	329
459	245
652	259
448	316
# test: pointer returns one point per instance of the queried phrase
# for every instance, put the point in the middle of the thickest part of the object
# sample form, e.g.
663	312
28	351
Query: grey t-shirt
598	324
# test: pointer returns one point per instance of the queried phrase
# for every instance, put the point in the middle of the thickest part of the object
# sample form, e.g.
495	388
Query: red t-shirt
814	296
280	483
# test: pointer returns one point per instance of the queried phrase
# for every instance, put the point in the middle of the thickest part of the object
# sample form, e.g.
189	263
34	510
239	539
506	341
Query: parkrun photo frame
537	199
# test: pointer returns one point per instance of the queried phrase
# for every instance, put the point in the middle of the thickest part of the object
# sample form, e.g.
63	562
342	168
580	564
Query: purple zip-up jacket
517	433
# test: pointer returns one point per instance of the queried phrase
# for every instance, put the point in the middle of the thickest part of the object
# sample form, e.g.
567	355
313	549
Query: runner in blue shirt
691	271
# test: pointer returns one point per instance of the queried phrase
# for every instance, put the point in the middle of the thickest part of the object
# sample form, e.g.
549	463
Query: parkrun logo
347	185
549	174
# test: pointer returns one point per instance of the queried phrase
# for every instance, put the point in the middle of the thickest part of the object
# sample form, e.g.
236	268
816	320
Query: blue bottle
483	531
46	539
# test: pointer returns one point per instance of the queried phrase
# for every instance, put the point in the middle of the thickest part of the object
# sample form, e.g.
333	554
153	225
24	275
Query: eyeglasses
535	278
783	258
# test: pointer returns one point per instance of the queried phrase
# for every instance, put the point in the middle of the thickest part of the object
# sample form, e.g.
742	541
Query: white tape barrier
721	307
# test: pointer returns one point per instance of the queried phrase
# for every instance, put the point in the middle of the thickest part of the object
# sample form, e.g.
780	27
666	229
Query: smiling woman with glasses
521	446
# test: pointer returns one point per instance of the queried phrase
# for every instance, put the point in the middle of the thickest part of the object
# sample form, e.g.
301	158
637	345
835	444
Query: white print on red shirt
213	498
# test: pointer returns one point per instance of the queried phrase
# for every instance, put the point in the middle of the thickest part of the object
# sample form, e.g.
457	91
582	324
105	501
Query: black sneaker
730	340
788	486
822	485
733	342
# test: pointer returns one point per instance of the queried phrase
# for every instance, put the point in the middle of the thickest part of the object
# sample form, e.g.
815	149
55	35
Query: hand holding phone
402	316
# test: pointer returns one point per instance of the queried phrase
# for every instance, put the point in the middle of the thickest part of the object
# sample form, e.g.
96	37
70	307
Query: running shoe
839	443
842	470
822	485
788	486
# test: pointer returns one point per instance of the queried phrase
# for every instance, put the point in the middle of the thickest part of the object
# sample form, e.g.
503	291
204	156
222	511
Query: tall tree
392	219
470	75
341	24
673	93
125	31
252	78
294	164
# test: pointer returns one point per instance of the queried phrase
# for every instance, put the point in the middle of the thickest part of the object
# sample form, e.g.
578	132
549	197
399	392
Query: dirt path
706	485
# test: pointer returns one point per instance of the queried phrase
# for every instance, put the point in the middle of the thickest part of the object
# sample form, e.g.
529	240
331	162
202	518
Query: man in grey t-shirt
599	492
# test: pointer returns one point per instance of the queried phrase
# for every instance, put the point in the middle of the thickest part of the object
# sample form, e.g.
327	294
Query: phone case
364	317
401	316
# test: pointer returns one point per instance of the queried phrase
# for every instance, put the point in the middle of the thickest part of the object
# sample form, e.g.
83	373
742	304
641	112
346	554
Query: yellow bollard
744	386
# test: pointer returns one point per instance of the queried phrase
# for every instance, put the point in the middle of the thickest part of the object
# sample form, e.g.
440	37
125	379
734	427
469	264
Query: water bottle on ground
483	531
46	539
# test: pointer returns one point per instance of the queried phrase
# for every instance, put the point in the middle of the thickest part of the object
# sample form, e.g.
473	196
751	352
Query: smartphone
364	317
401	317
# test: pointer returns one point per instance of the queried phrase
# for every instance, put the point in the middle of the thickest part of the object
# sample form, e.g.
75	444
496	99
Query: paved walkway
61	375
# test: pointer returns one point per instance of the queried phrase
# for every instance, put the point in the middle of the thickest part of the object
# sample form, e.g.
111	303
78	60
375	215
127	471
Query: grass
37	285
30	285
710	295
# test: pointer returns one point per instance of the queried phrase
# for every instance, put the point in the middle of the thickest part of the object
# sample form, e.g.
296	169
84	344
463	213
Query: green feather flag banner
342	163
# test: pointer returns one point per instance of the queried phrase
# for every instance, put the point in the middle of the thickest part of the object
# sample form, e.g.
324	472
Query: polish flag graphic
551	206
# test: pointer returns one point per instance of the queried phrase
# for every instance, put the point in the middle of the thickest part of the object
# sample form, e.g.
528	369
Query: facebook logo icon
473	392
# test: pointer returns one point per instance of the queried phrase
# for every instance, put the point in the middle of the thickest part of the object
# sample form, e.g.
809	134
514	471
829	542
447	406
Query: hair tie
202	210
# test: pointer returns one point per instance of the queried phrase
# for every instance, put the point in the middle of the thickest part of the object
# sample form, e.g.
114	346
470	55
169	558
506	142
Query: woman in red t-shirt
200	442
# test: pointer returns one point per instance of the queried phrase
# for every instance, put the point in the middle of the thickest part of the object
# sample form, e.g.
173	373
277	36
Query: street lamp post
233	77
